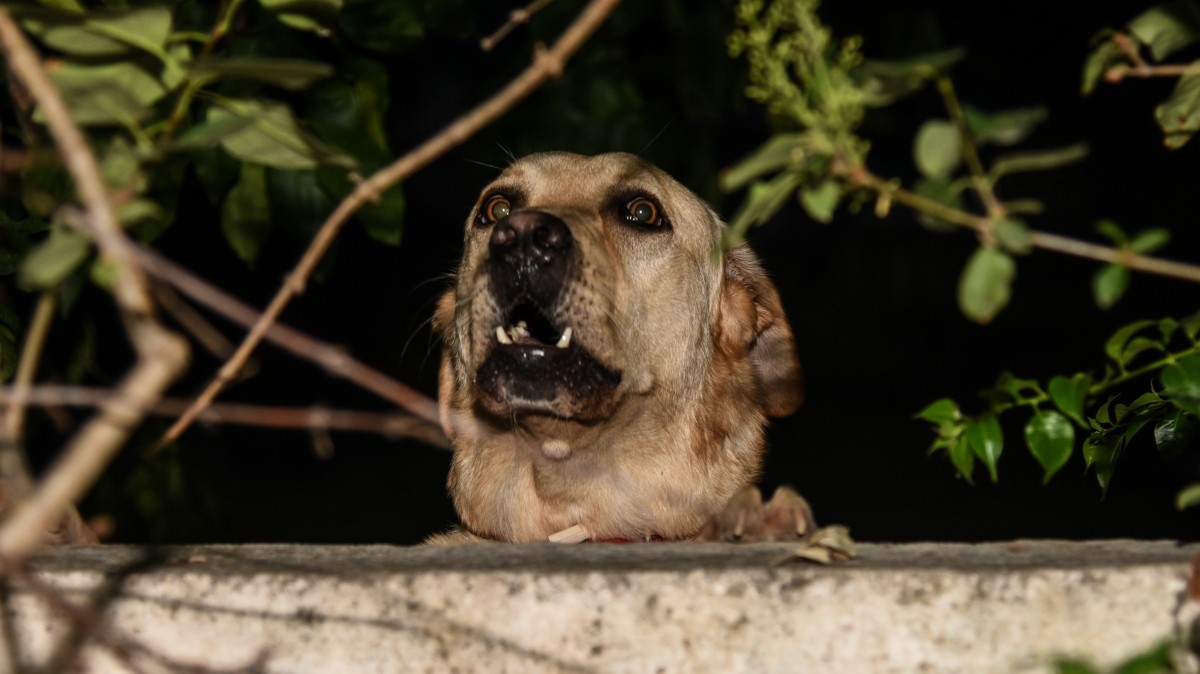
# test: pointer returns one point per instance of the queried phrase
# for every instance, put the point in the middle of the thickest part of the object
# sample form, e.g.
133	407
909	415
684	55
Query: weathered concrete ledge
694	608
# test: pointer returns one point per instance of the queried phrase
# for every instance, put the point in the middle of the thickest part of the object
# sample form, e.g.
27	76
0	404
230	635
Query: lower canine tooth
565	340
502	336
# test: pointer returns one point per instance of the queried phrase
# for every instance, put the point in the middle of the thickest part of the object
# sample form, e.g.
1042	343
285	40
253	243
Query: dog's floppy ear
443	325
752	318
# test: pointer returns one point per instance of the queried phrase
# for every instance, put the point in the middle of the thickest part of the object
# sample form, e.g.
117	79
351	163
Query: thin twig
390	424
860	177
547	63
334	360
970	152
518	16
161	355
31	357
1116	74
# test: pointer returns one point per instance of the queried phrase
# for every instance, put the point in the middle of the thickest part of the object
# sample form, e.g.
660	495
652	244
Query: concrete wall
655	607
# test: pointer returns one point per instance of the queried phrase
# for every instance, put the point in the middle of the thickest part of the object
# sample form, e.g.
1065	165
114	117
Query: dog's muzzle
538	362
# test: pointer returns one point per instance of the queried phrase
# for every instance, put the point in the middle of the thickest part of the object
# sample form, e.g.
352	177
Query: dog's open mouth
528	327
538	366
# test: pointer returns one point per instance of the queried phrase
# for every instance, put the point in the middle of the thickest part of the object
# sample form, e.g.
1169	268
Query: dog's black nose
530	248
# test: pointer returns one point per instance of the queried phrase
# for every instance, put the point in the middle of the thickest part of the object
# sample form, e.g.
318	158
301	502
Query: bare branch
334	360
547	63
161	355
518	16
390	424
861	177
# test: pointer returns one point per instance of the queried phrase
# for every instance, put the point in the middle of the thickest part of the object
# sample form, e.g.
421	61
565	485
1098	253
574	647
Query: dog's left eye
642	211
496	208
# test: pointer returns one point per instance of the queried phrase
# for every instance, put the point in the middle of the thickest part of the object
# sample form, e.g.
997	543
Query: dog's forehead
550	176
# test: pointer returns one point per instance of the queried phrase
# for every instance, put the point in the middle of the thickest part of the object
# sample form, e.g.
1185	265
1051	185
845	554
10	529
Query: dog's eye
496	208
642	211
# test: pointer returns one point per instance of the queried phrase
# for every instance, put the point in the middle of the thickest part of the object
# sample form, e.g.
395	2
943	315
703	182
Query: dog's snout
531	248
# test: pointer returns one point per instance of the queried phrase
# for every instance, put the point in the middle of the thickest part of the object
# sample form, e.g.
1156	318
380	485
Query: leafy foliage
1090	404
821	88
165	92
1162	30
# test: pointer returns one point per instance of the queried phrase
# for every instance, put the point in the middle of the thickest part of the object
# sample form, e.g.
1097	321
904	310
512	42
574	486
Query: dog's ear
752	320
443	325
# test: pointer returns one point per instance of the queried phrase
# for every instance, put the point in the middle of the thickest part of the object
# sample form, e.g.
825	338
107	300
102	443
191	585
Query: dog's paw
786	517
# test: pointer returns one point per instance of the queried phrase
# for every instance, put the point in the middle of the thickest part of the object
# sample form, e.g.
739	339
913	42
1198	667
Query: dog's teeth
502	335
519	331
565	340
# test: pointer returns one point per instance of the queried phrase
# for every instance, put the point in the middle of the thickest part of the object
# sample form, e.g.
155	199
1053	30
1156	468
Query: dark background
872	301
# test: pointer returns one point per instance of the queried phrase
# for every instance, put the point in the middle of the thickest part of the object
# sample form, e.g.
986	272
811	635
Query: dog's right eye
497	207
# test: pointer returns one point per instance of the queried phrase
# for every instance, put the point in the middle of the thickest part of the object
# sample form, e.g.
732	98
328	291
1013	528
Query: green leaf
211	132
52	260
781	151
1037	160
102	33
945	192
821	200
1172	434
1149	240
1109	285
1182	382
941	411
986	284
282	72
1137	346
986	440
763	200
1115	346
1098	62
273	138
1069	395
121	167
1050	437
117	93
887	81
1101	452
1188	496
937	149
315	16
1191	326
1179	115
246	214
1167	328
1168	27
1006	127
1013	236
1111	230
963	459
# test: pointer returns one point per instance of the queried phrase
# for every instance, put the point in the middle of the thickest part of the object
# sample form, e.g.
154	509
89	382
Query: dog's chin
567	383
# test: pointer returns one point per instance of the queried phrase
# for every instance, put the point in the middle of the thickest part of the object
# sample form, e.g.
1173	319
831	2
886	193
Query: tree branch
516	17
547	63
390	424
334	360
862	178
161	355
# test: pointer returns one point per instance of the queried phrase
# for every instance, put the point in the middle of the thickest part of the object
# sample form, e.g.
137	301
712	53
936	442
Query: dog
608	367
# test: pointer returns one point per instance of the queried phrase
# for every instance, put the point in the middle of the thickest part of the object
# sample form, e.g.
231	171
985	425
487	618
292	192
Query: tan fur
700	339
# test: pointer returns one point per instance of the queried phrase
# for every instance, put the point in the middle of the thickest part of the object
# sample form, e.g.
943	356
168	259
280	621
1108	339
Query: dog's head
590	284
